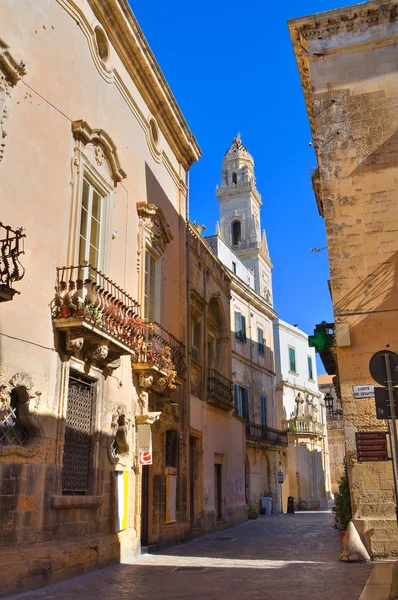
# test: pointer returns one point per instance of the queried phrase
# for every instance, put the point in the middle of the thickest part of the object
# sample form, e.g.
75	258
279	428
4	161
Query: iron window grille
12	432
78	435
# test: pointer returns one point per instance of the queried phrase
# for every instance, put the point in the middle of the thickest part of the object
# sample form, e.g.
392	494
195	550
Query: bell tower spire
240	203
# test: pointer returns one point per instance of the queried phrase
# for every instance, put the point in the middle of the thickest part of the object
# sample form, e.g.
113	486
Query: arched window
234	178
236	233
12	430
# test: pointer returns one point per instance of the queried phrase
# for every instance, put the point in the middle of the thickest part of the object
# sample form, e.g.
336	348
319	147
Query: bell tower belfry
239	227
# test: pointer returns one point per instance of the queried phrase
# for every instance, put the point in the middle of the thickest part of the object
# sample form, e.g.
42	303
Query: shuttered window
240	327
263	406
242	401
310	369
260	337
292	360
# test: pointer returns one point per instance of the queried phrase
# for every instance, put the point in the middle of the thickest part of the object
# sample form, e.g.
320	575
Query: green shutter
243	328
292	360
238	326
260	336
310	371
263	403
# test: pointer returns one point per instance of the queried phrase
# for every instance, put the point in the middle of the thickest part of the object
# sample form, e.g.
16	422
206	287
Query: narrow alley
272	558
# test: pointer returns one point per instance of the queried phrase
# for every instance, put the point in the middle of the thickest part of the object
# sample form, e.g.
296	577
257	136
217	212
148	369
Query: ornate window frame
10	73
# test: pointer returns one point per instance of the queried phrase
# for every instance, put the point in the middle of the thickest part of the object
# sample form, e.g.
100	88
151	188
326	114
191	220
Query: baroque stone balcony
11	270
100	322
262	436
305	426
159	360
219	390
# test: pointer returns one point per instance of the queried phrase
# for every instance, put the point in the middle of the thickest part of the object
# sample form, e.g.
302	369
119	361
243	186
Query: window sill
293	373
57	502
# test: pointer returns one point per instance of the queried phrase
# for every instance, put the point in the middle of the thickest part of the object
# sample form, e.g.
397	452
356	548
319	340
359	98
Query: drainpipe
251	357
189	337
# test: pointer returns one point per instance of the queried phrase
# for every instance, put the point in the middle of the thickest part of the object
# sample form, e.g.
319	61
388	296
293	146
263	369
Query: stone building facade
217	434
94	158
243	249
302	412
347	62
335	426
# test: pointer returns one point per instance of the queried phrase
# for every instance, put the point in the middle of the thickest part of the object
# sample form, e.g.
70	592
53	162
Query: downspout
189	335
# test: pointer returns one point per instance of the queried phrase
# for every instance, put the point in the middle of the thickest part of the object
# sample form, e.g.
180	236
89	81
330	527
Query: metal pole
392	425
281	501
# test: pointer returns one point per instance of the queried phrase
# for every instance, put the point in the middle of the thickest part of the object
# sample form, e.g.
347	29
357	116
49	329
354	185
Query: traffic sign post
383	367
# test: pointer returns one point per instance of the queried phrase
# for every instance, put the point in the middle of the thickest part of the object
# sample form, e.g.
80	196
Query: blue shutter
245	404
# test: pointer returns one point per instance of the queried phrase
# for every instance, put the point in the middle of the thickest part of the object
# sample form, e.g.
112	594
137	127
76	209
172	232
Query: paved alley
273	558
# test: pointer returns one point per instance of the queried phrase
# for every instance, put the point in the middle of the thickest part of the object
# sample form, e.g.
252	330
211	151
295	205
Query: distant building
241	246
302	412
335	426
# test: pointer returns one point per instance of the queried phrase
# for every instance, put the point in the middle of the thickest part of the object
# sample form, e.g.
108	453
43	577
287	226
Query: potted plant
342	508
252	512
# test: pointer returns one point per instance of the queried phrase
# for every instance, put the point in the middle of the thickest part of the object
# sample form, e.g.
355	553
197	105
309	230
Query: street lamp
329	403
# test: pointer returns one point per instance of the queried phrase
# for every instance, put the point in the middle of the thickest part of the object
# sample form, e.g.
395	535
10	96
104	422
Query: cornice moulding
12	69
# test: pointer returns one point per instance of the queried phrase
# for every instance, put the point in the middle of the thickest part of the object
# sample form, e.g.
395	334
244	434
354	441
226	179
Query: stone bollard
352	549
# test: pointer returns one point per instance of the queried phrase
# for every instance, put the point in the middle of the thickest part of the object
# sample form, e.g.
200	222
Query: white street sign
363	391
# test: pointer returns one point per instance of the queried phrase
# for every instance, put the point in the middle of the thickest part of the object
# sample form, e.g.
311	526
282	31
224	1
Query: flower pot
342	534
65	312
253	514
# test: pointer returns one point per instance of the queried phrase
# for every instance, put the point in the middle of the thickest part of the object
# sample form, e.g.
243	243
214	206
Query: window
260	337
242	402
310	370
78	435
234	267
90	225
263	408
12	431
102	43
236	233
150	286
292	360
196	341
240	327
234	178
171	448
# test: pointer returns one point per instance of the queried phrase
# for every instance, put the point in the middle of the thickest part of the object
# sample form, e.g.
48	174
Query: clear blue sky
231	68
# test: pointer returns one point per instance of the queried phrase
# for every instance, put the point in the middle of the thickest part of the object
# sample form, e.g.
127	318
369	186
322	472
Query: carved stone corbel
73	344
97	351
148	418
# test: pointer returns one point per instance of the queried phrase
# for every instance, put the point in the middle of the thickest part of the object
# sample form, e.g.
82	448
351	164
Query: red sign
145	458
371	446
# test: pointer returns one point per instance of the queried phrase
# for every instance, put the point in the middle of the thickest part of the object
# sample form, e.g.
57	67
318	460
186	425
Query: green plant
251	507
342	508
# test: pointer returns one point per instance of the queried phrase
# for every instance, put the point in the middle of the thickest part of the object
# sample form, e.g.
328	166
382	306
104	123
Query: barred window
171	448
12	431
78	435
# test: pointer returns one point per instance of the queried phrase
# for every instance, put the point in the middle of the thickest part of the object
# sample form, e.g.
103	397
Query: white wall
227	257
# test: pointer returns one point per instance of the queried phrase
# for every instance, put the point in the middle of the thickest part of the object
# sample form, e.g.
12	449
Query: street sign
371	446
363	391
377	367
281	477
383	409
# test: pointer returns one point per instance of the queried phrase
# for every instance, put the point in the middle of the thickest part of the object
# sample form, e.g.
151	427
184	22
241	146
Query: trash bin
290	504
266	505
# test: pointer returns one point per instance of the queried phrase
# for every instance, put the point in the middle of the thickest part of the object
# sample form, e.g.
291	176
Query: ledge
75	502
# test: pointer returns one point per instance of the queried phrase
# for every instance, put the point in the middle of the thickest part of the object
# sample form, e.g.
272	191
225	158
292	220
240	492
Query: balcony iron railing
82	292
11	270
220	389
266	435
161	349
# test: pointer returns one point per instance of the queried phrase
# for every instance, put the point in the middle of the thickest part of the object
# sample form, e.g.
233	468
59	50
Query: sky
231	67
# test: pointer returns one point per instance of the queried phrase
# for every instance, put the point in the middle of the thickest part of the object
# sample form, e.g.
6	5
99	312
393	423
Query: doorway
218	491
144	504
191	479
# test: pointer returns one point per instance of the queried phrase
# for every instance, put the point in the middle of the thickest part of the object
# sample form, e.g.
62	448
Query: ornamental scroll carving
154	222
118	445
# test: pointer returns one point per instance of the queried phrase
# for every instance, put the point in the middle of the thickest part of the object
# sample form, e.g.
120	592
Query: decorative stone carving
145	379
152	219
97	352
98	137
147	419
73	344
118	444
112	366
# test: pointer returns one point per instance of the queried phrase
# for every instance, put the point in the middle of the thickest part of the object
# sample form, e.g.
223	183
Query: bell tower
239	227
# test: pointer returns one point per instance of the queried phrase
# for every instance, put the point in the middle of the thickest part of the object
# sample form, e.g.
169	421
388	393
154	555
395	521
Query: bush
342	509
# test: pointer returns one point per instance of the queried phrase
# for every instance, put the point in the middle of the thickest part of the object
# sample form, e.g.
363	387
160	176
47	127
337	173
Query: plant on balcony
342	508
252	512
162	357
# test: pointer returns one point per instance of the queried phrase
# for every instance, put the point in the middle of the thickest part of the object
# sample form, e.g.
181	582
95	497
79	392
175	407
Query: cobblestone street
274	558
